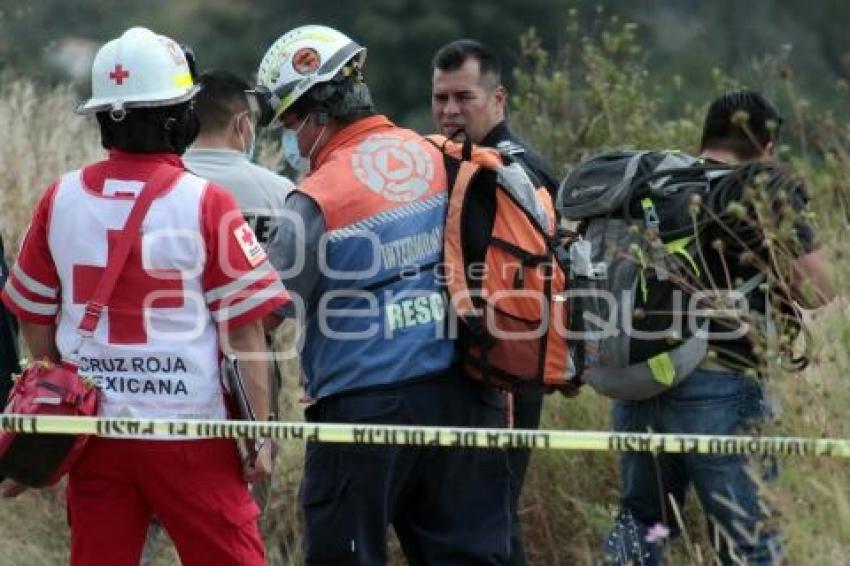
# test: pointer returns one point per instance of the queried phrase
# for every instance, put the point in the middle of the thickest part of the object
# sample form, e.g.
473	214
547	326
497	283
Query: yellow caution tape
430	436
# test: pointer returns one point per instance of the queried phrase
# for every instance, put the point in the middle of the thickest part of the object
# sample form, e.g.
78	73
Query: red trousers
193	487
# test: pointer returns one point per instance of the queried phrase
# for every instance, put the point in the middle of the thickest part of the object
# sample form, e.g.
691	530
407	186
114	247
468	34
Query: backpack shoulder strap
454	256
461	174
487	157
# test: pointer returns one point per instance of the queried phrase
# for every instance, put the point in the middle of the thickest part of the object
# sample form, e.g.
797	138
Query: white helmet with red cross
302	58
139	69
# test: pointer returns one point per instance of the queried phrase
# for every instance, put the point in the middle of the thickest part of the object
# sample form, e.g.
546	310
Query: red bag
44	388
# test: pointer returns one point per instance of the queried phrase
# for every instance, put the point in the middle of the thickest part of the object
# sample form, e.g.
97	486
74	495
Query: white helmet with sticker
304	57
139	69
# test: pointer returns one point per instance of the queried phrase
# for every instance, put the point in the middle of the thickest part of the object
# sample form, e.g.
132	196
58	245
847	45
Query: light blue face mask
291	151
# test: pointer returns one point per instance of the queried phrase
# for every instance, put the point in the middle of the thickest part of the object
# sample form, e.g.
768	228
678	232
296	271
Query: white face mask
291	151
248	148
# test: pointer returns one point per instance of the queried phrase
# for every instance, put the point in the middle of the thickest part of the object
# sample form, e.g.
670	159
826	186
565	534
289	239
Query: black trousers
527	409
448	505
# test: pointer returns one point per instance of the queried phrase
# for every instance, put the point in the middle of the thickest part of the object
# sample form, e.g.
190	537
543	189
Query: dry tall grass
42	139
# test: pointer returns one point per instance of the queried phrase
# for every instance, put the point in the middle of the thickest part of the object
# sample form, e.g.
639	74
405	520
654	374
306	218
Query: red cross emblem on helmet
119	74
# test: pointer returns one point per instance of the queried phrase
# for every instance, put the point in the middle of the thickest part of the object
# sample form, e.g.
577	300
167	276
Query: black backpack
635	269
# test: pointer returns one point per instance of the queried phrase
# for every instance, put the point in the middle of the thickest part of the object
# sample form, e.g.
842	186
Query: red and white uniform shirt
195	270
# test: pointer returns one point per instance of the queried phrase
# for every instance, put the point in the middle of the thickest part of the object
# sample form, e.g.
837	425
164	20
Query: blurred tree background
683	39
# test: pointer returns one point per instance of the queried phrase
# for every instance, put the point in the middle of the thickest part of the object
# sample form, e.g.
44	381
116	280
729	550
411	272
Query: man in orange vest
360	256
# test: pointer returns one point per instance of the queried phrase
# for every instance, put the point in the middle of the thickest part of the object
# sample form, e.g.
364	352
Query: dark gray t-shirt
259	192
786	200
294	251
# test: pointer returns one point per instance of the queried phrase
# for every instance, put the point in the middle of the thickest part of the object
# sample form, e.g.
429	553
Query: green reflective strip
642	259
644	263
678	247
663	370
646	203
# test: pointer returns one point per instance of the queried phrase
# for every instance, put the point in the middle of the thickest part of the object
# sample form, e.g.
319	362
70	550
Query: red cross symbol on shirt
119	74
247	236
126	310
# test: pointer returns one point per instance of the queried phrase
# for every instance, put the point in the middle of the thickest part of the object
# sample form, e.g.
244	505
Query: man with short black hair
224	148
743	126
223	153
724	395
468	99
